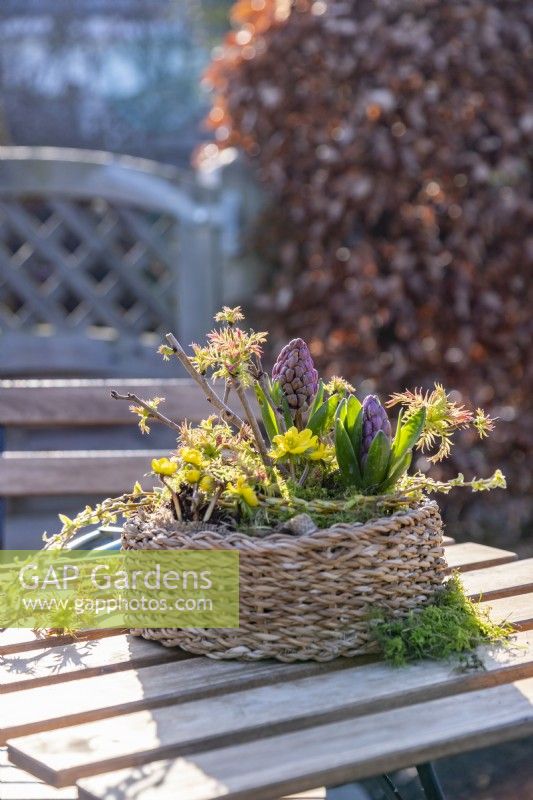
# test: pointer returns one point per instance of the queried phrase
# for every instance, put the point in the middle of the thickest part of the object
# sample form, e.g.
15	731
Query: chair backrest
100	255
62	405
70	404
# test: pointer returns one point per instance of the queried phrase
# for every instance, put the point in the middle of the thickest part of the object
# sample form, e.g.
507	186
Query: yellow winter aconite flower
164	466
243	490
322	453
192	475
191	456
293	443
206	484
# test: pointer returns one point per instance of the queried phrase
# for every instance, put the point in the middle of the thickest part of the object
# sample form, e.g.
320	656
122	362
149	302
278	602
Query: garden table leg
430	782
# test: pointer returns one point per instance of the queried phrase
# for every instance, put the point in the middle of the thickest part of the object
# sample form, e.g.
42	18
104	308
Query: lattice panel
85	267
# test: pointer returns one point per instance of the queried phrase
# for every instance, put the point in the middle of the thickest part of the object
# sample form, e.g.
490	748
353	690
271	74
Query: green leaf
356	434
322	419
319	398
353	407
348	465
280	401
276	392
342	410
407	435
377	461
287	416
396	473
267	413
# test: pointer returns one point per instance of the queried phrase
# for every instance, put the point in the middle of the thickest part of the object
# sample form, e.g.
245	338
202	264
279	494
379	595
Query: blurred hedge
394	136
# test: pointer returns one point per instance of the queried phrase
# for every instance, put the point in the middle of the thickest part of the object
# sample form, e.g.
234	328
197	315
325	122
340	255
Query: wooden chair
99	255
64	408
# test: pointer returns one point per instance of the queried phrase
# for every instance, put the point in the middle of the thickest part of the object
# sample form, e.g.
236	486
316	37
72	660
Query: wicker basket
307	597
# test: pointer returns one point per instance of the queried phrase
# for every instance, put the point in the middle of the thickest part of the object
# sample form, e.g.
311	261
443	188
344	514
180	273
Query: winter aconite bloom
294	443
192	475
191	456
244	491
164	466
322	453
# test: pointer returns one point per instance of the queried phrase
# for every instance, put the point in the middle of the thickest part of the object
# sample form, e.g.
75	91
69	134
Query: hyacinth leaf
342	410
398	429
280	401
287	416
377	461
348	464
407	435
356	433
267	413
323	417
353	407
318	399
395	474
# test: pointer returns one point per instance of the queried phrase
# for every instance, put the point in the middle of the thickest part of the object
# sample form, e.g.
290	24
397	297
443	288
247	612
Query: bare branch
250	416
225	412
152	412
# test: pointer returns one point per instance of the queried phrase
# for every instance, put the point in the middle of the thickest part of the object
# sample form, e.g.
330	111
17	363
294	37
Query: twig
304	475
175	499
152	412
250	416
227	390
212	504
225	412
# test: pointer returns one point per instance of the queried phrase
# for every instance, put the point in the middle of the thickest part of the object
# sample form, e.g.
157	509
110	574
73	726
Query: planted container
309	484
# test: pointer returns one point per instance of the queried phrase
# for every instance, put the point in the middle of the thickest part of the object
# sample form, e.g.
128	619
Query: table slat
57	664
470	556
517	610
64	755
330	754
86	699
20	640
502	581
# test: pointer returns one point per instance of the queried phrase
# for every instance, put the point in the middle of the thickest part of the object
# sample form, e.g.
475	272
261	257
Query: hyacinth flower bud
375	419
296	373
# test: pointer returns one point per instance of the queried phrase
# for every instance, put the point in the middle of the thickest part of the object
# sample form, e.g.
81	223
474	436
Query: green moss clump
451	625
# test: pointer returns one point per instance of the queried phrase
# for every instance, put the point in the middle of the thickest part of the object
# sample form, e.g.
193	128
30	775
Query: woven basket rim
234	539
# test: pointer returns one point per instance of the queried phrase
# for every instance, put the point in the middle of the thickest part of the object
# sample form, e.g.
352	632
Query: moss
451	625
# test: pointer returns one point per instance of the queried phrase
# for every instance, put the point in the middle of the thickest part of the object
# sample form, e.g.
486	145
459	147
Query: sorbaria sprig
317	438
443	418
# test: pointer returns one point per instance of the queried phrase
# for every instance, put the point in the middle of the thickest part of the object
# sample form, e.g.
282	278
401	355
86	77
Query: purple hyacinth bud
296	373
375	419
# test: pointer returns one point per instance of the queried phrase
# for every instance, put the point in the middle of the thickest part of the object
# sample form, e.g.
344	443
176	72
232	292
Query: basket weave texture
308	597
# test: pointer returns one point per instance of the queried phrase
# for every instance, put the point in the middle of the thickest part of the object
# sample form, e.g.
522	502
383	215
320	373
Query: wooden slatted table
119	717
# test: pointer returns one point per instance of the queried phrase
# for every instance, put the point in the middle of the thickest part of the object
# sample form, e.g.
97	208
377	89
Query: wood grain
469	556
20	640
518	610
87	699
502	581
330	754
64	755
85	472
82	659
58	403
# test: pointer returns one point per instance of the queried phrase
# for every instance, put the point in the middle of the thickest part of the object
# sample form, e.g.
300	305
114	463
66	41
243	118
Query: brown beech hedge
395	139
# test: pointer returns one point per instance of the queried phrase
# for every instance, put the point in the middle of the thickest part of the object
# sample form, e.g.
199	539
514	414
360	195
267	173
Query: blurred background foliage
395	139
119	75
